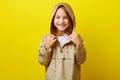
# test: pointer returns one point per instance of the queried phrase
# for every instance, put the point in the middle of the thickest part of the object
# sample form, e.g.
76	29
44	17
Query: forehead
61	11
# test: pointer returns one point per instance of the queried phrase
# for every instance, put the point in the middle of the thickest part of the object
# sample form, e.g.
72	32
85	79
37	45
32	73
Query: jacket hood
68	9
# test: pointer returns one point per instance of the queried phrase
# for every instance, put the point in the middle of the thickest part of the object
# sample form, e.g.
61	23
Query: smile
61	24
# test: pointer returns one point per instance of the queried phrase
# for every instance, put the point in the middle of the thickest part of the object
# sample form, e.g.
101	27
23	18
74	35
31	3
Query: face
61	20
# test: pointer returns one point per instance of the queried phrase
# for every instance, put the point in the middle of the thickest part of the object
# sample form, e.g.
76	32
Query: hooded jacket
62	63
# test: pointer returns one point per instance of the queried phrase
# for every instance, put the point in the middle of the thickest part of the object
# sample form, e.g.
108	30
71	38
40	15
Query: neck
60	33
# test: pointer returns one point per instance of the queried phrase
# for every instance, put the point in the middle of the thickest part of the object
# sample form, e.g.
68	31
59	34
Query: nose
61	20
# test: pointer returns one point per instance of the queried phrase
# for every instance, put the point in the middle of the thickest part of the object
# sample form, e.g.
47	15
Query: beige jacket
62	63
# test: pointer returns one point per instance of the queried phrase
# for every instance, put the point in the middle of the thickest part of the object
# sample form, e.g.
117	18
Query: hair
69	29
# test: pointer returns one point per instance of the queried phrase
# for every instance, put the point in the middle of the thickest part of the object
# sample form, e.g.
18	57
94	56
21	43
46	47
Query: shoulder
44	37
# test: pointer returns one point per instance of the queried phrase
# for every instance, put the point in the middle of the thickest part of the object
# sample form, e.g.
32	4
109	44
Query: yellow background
24	22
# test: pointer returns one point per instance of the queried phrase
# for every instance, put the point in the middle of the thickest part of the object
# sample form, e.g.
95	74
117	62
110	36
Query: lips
61	24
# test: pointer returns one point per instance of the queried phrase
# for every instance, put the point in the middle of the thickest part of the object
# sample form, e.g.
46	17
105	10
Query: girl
62	51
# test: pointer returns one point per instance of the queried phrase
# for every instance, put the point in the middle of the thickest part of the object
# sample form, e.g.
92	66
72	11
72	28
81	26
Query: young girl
62	51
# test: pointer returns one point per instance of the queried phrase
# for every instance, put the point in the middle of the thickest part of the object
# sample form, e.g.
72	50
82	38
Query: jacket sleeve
80	54
44	55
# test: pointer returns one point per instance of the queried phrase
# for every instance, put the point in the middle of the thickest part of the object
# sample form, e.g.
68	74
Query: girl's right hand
50	41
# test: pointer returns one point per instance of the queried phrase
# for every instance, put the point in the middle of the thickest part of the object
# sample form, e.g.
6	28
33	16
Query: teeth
60	24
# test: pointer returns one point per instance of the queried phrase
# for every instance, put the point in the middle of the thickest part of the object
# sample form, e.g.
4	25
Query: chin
62	29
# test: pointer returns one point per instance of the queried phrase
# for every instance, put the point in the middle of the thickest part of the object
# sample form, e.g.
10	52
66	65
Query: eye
57	17
65	17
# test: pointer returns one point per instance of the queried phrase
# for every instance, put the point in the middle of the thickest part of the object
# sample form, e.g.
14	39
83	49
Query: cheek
67	21
55	21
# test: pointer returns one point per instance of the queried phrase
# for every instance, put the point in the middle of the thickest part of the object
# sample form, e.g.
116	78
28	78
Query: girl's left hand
75	39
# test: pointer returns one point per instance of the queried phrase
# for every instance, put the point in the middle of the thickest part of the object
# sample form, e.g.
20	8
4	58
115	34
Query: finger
54	40
71	35
71	38
48	35
53	37
74	33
